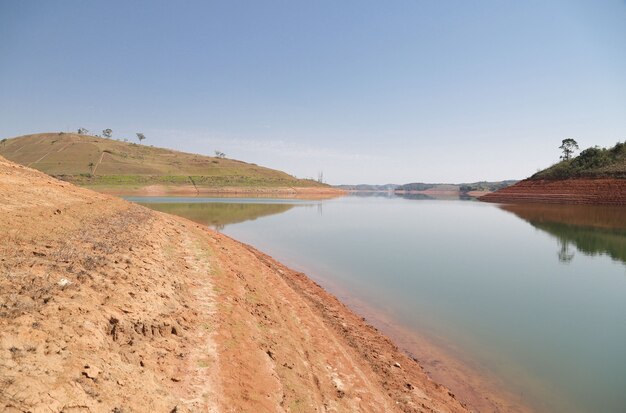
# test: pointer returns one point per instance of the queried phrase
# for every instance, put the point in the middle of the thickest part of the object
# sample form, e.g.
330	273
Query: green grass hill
594	162
108	163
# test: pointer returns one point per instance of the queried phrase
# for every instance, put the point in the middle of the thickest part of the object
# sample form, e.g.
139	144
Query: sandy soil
601	191
106	306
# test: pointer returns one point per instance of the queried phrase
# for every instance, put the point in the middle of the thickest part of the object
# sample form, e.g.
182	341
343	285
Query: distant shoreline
188	190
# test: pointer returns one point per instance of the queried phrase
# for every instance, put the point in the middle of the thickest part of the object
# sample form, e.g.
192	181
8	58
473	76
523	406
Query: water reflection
592	230
218	215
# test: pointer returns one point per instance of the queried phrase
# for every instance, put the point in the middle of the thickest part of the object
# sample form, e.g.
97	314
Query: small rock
175	379
64	282
91	372
396	364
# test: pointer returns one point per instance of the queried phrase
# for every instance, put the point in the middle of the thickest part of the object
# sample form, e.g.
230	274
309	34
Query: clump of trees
219	154
108	133
594	161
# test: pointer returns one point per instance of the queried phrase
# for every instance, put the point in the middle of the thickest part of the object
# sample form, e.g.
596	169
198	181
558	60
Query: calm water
535	294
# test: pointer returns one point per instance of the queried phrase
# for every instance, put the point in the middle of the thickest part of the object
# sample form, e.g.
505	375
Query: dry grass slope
98	162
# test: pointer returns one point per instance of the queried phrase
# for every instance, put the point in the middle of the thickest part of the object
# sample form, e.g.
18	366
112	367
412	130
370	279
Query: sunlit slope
94	161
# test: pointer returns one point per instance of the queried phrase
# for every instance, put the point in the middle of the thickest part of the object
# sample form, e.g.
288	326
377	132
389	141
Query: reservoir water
534	295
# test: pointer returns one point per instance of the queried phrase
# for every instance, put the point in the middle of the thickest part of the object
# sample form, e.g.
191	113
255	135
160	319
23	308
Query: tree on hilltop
107	133
141	137
568	146
82	131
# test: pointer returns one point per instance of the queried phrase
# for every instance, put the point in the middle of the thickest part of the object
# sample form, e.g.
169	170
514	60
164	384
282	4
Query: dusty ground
106	306
598	191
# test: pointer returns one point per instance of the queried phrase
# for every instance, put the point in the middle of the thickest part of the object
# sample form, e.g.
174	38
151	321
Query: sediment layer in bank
600	191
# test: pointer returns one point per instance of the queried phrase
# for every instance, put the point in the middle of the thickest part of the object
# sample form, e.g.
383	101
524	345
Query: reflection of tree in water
592	230
589	241
565	256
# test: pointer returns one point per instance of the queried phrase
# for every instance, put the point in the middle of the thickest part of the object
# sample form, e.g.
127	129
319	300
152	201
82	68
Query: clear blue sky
365	91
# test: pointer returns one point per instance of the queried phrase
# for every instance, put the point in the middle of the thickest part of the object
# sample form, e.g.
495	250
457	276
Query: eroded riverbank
106	305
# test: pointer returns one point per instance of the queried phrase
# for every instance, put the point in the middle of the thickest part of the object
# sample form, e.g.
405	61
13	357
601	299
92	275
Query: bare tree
141	137
320	177
107	133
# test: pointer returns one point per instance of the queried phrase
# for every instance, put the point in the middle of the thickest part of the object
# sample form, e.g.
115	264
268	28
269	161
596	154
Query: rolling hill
108	165
596	176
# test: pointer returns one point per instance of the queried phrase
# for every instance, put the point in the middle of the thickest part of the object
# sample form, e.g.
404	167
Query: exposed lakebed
534	295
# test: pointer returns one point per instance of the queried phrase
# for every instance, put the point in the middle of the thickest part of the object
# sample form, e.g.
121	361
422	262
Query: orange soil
190	190
603	191
107	306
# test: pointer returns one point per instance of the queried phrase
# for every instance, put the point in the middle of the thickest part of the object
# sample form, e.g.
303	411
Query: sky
363	91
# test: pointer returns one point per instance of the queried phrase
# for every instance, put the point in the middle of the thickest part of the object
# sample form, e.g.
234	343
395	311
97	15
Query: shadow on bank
591	230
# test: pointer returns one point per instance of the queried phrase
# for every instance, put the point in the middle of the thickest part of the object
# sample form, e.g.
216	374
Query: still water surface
535	294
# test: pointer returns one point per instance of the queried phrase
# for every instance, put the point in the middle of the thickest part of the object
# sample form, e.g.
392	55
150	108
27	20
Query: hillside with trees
596	176
592	162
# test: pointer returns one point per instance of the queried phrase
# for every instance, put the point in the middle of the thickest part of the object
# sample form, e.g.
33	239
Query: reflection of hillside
593	230
219	214
414	196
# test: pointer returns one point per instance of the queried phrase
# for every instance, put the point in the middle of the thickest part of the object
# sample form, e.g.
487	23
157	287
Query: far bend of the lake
533	294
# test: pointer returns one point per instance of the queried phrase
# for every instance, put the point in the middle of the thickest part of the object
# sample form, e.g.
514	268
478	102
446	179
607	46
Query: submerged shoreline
475	387
199	191
108	305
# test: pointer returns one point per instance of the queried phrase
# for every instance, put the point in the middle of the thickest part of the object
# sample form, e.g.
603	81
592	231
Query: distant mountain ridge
368	187
439	187
462	188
